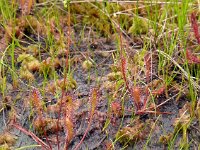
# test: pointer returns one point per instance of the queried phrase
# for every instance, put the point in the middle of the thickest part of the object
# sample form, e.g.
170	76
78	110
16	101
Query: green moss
139	26
130	134
87	65
26	74
99	16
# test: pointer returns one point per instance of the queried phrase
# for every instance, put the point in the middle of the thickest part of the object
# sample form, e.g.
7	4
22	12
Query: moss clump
61	84
139	26
70	83
26	74
87	65
48	65
130	134
113	76
29	64
99	15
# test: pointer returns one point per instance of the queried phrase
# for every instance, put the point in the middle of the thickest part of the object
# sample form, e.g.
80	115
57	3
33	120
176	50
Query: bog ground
104	75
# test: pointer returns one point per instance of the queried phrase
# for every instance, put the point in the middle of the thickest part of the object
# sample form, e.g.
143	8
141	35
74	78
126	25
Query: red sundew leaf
159	91
116	108
22	2
37	102
70	132
136	94
36	99
194	25
193	59
147	60
123	68
93	100
26	6
135	91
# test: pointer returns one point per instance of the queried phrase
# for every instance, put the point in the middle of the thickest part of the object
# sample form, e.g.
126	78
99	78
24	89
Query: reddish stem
65	75
34	137
147	60
93	101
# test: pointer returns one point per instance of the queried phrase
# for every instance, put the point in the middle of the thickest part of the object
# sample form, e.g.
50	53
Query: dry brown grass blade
141	112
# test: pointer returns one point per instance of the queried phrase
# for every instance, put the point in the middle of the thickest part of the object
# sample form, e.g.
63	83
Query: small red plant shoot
116	108
147	60
69	125
136	94
69	107
159	91
37	103
26	6
123	68
193	59
195	28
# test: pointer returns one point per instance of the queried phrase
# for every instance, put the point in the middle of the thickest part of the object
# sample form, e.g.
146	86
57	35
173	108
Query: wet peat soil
105	125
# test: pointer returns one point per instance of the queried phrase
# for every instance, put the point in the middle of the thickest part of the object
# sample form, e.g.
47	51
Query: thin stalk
93	101
65	73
